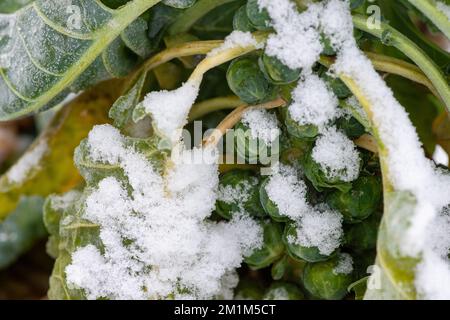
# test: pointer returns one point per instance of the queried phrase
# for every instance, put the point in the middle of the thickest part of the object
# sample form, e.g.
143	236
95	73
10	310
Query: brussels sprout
276	72
269	206
238	191
296	251
249	148
272	249
247	81
304	132
323	280
351	127
241	21
283	291
318	176
337	85
363	236
249	289
260	19
360	202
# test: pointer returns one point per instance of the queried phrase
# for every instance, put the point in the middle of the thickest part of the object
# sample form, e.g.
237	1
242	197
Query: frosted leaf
156	240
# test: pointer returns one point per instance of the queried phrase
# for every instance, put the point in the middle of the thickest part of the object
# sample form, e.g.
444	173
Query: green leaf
394	272
54	171
68	48
21	230
8	6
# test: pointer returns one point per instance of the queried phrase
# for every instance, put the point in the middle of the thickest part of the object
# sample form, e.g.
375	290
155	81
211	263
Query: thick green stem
203	108
430	10
411	50
193	14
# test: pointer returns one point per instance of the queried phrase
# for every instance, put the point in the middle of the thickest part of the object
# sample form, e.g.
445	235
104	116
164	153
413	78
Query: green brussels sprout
272	249
363	236
260	19
276	72
351	127
251	149
318	176
304	132
239	191
247	81
269	206
360	202
337	85
324	280
249	289
283	291
241	21
296	251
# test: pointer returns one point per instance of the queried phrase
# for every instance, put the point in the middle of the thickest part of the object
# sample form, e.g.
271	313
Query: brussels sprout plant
220	149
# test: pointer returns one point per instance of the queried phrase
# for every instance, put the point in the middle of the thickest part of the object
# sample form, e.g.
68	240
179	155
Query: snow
237	39
345	264
263	125
317	226
239	193
196	255
313	103
444	8
337	155
62	202
296	42
288	192
320	228
409	169
170	109
28	162
440	156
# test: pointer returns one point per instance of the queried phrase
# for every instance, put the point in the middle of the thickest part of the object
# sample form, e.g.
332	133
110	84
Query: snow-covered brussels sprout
269	206
318	177
360	202
239	192
272	249
329	279
308	131
276	72
247	81
283	291
296	251
259	18
241	21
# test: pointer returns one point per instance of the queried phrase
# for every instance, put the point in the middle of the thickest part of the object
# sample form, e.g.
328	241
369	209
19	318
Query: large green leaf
51	47
63	216
54	171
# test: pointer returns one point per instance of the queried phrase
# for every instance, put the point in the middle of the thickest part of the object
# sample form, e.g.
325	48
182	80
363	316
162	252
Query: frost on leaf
135	207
